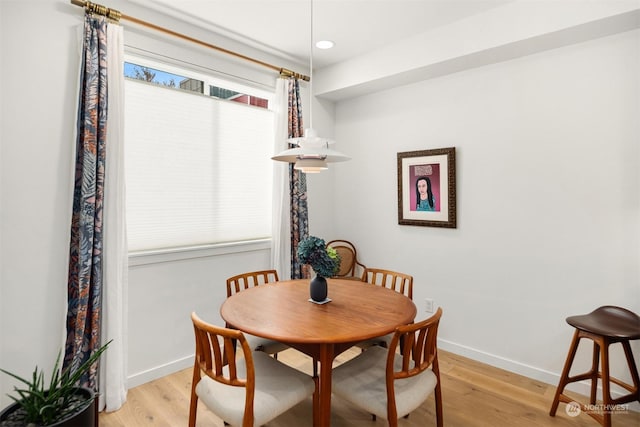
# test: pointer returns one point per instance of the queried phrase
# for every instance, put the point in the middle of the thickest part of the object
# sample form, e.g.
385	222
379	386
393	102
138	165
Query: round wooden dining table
282	311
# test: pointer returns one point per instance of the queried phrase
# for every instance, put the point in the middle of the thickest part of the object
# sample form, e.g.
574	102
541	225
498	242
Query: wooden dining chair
396	281
244	281
350	267
391	385
246	388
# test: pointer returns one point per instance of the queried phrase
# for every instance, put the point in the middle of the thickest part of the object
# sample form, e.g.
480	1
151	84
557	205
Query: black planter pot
318	289
86	417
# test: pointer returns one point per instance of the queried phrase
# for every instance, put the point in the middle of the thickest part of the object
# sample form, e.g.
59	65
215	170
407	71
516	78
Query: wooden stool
605	325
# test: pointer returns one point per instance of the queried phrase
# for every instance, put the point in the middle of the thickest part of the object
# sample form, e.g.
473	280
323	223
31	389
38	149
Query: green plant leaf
45	406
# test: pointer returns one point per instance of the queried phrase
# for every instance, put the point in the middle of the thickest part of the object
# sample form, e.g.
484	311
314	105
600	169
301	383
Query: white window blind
198	169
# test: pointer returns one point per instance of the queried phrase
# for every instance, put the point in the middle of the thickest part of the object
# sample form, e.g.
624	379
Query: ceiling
283	27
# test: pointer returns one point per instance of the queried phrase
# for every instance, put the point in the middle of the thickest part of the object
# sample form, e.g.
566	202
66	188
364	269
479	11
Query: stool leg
633	369
564	377
594	372
606	384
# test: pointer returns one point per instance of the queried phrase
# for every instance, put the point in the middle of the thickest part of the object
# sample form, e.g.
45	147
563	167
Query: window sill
177	254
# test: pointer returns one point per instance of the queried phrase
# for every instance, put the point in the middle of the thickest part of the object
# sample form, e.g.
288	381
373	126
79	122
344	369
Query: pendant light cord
311	68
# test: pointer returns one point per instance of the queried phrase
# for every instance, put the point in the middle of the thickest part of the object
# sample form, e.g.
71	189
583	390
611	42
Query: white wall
549	121
162	296
38	97
548	195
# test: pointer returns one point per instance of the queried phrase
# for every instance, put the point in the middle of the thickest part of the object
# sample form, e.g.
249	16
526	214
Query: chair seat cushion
264	344
382	341
362	381
278	388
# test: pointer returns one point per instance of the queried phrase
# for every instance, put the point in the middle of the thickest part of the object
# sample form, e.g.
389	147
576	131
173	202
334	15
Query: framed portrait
427	188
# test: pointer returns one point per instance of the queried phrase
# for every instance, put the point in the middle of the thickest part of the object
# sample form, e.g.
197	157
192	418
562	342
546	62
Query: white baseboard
538	374
159	371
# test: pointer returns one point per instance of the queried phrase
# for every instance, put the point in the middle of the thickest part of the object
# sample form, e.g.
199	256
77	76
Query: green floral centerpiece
324	260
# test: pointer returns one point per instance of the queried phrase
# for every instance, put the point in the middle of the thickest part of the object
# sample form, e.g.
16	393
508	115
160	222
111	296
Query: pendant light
312	152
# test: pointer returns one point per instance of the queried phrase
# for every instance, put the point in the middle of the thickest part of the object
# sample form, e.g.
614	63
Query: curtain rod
117	15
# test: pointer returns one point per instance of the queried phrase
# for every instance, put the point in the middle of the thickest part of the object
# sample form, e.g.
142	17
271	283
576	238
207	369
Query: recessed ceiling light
324	44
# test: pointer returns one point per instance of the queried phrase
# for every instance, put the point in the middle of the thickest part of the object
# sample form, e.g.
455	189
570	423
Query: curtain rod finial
98	9
288	73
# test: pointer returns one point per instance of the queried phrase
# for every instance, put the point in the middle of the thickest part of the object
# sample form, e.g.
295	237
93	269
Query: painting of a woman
424	195
424	179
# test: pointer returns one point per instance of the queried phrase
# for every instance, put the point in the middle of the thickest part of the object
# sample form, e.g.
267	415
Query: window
197	153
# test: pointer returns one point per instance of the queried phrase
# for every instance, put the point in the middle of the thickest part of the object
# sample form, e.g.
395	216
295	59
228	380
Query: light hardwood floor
474	395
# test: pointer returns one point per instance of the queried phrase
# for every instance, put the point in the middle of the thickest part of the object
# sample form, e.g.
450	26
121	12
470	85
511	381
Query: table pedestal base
324	354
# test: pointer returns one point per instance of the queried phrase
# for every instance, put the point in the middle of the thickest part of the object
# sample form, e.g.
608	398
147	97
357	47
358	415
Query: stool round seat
609	321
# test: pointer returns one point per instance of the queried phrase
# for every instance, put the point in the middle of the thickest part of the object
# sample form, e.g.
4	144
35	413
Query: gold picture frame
427	188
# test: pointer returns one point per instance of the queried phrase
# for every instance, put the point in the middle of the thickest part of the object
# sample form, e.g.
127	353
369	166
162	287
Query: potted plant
325	262
60	402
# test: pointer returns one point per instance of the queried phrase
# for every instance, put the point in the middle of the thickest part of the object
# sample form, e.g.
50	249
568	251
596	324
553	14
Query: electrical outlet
428	305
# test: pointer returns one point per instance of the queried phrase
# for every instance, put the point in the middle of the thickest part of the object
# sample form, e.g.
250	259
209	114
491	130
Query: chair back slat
216	350
399	282
253	278
419	347
419	352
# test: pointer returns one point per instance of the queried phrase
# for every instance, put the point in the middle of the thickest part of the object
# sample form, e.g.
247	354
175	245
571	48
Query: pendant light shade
311	165
310	147
312	152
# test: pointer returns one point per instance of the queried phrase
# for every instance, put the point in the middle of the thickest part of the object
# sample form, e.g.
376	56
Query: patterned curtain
85	262
297	185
